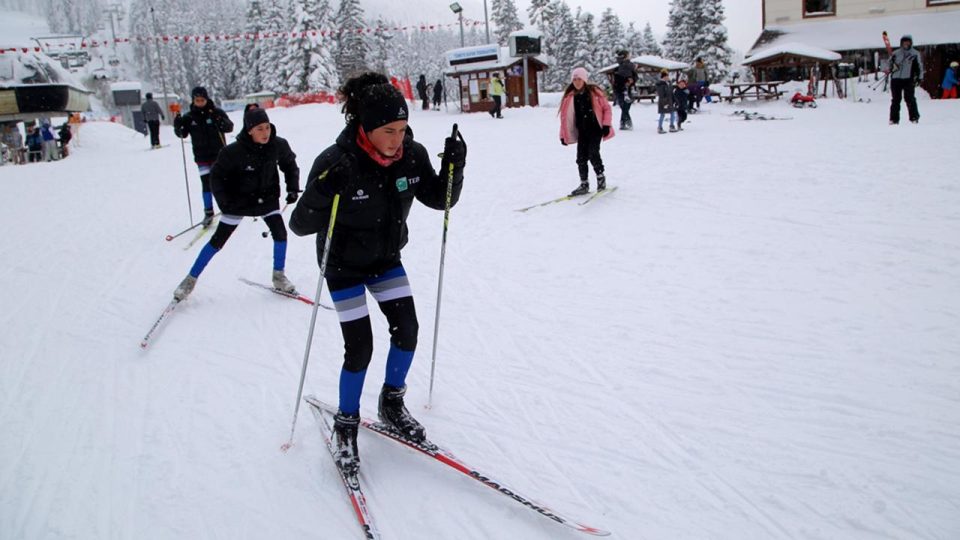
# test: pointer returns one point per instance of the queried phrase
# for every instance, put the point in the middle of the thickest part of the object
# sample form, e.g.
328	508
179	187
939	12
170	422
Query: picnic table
753	90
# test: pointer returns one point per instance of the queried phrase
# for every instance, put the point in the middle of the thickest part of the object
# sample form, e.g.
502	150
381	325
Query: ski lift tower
524	44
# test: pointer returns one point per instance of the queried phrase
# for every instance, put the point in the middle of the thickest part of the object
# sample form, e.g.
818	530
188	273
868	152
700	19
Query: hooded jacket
568	121
906	64
205	127
245	181
665	100
371	224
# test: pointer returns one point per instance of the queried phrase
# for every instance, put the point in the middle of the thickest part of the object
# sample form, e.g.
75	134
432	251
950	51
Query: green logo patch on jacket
402	184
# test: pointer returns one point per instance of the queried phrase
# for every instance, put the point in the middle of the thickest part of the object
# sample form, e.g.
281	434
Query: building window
941	2
820	8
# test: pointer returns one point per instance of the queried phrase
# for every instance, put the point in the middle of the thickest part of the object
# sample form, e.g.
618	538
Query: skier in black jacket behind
205	124
246	183
378	170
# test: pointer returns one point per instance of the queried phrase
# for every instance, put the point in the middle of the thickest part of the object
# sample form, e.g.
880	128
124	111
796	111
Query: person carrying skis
245	182
152	114
377	169
496	92
205	124
949	84
585	119
905	69
698	74
422	92
623	80
665	102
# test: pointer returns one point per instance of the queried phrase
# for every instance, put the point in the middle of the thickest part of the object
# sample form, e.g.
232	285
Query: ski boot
282	284
601	182
207	218
392	413
582	190
185	288
345	427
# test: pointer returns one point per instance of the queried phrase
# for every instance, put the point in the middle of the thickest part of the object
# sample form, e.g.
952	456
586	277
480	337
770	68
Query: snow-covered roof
794	49
651	62
33	67
121	86
527	32
490	57
933	28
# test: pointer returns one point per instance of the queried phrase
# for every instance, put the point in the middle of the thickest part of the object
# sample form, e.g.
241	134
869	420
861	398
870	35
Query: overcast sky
743	16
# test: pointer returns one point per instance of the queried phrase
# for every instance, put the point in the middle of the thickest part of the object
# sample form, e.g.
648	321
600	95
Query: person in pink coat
586	119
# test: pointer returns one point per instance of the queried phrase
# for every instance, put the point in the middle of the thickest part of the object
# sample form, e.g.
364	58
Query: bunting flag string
213	38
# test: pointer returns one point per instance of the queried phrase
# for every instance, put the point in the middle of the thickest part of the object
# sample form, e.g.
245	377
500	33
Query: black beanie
253	118
380	105
907	37
199	92
149	95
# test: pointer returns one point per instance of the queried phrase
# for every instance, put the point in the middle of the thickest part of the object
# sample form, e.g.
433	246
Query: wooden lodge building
854	28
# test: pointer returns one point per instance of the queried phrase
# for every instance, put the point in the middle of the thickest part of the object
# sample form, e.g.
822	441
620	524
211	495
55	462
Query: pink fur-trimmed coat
601	107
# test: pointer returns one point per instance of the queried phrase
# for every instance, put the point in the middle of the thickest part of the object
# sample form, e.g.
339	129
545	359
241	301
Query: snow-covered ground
755	337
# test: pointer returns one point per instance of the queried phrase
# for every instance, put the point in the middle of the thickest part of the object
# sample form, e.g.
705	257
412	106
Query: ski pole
282	210
163	84
313	317
443	253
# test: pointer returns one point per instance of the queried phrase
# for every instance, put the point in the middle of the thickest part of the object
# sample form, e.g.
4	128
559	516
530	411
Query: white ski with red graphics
163	316
447	458
351	481
293	295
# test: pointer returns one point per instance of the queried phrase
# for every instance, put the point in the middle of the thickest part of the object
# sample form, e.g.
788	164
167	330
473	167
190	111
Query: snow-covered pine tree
249	48
272	49
351	48
611	37
648	43
586	42
381	43
711	40
632	39
560	40
308	63
141	19
535	13
73	16
681	30
505	19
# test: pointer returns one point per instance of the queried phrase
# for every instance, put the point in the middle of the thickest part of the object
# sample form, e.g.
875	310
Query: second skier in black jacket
205	124
378	170
246	183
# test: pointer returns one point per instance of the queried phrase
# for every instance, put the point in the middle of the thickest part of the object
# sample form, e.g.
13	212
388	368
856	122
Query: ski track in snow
753	338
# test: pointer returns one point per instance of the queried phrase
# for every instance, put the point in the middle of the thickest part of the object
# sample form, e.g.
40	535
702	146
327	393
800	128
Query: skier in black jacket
378	170
205	124
246	183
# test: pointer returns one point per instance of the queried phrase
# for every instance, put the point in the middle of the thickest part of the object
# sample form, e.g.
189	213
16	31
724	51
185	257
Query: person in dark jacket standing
205	124
245	182
377	169
623	80
905	69
437	94
585	119
152	114
681	100
422	91
665	103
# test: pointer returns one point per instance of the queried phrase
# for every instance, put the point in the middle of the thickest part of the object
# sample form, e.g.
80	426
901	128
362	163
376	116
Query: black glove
605	130
455	151
292	197
338	177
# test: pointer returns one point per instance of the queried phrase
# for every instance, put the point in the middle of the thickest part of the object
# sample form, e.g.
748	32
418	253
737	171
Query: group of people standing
42	143
360	189
423	91
672	101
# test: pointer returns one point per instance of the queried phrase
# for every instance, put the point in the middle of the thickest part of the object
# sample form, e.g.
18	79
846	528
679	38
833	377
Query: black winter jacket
244	180
371	225
205	127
